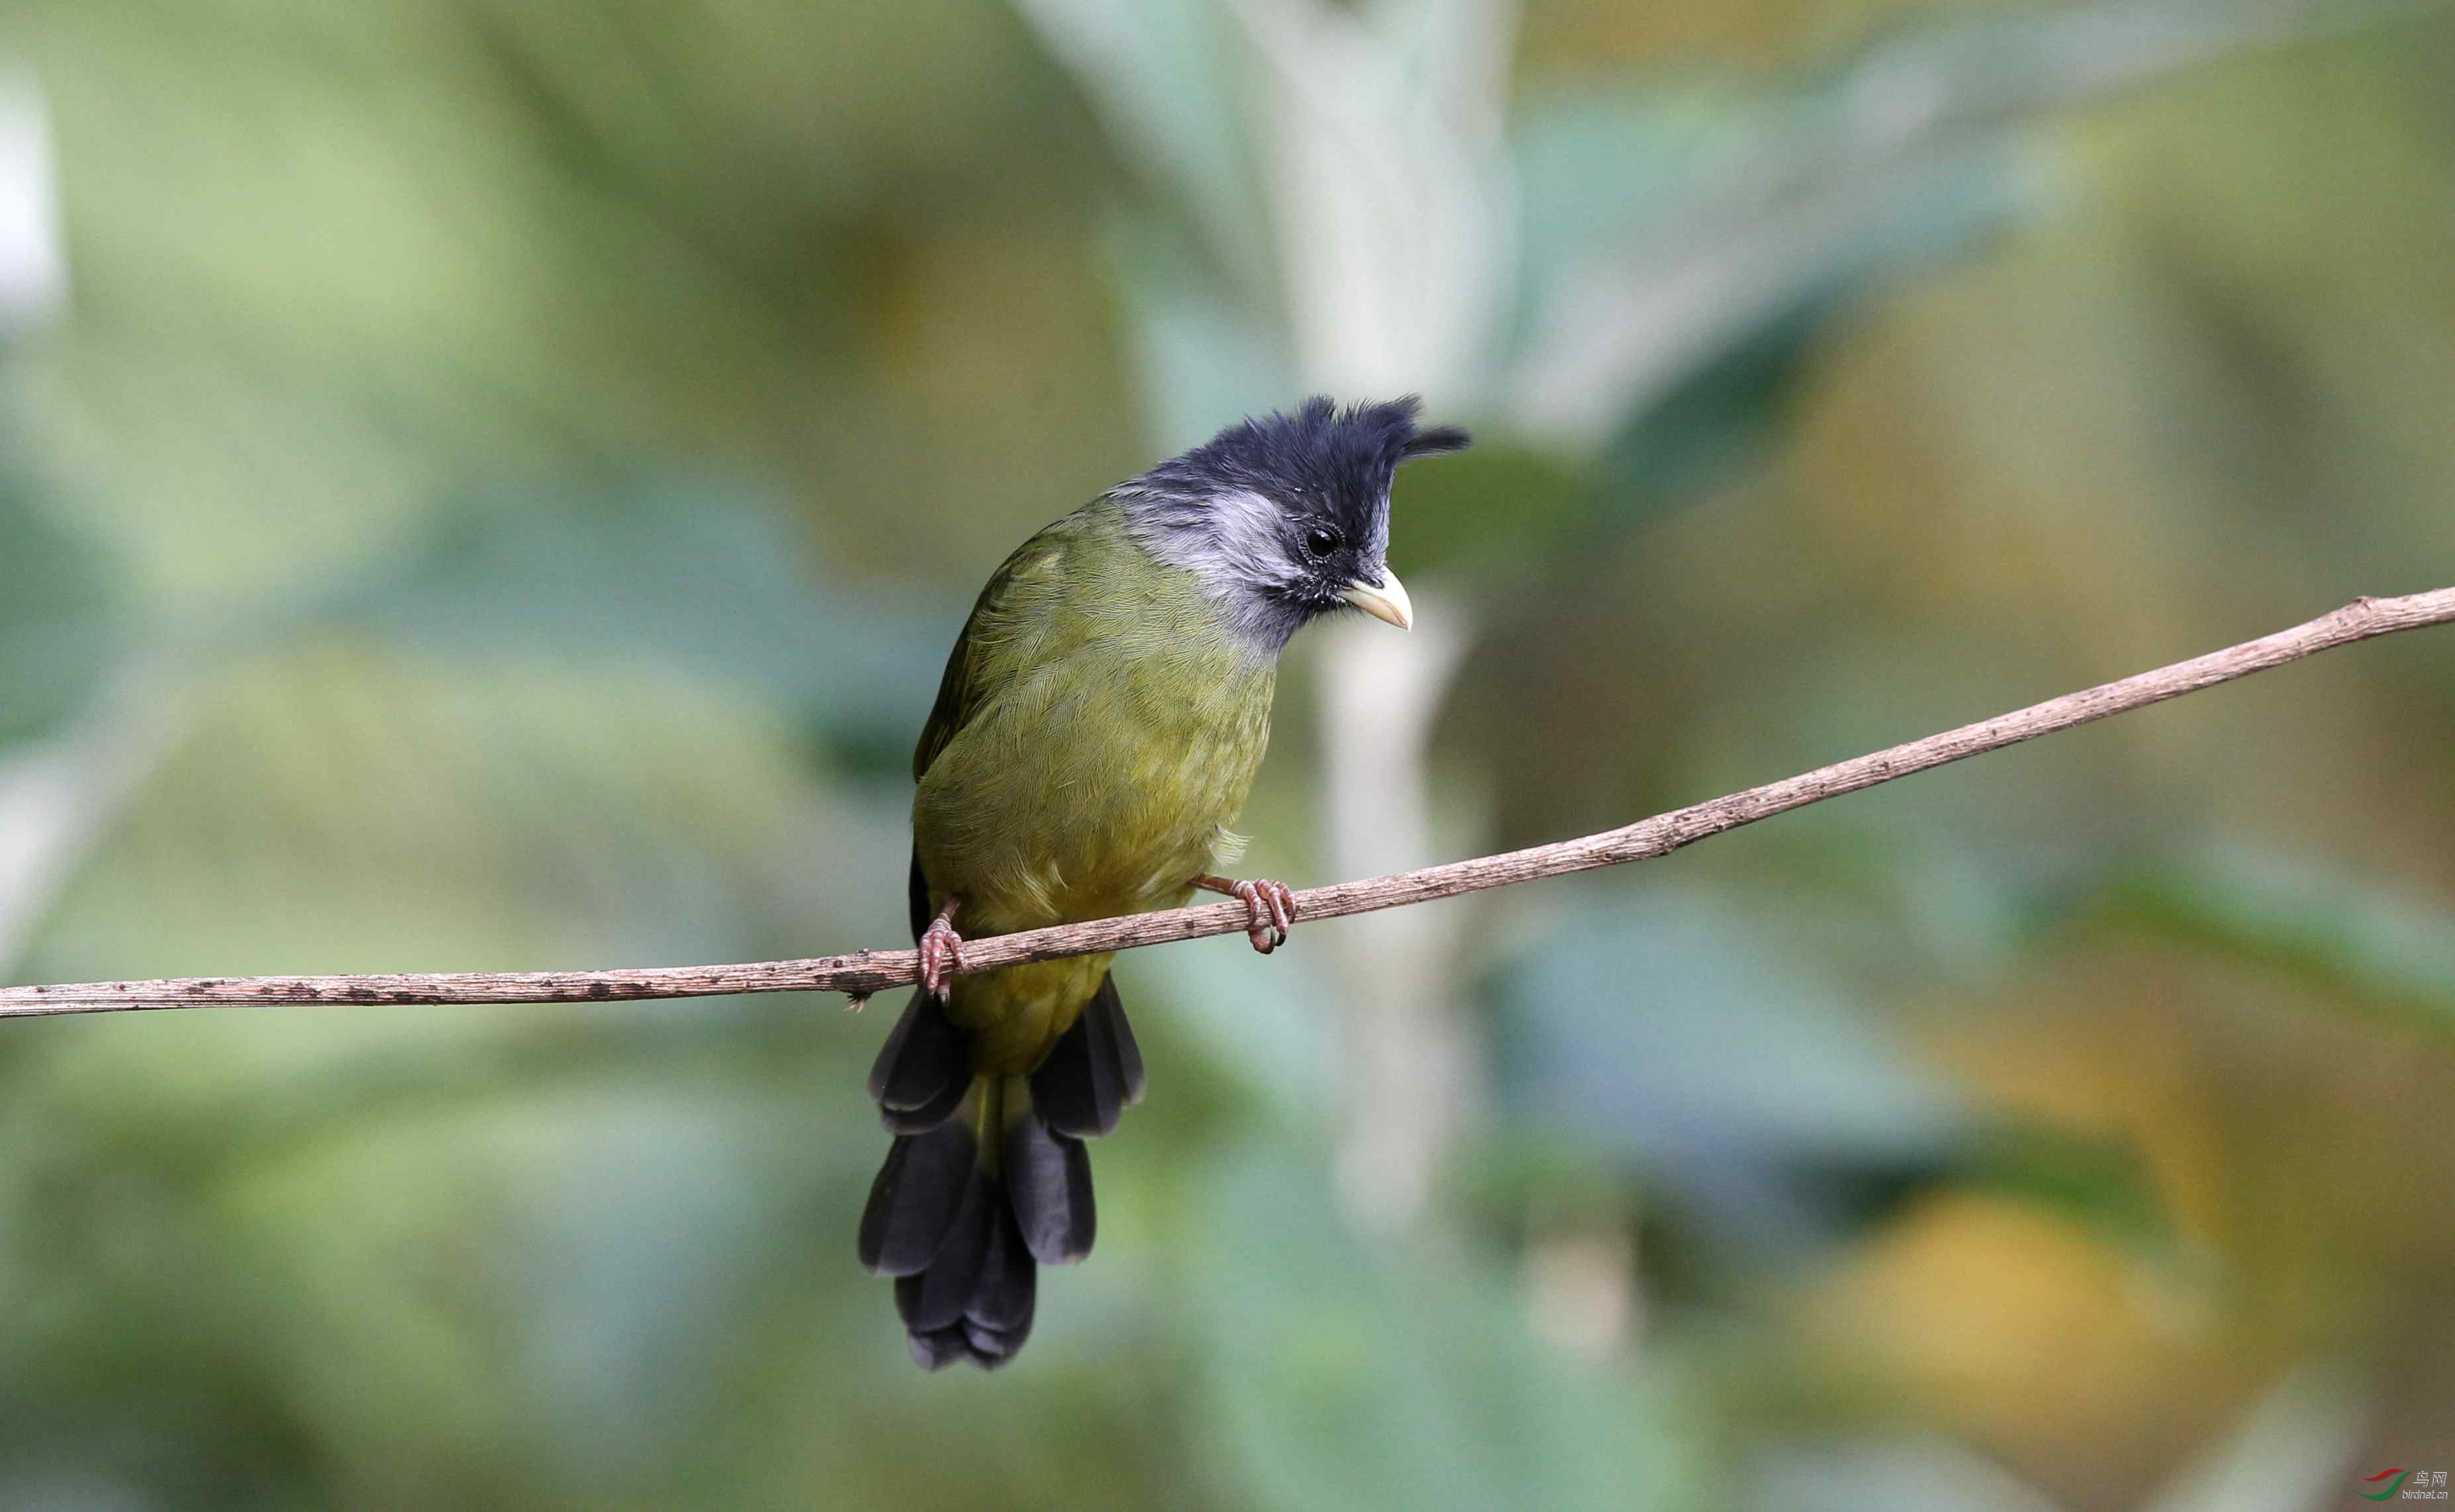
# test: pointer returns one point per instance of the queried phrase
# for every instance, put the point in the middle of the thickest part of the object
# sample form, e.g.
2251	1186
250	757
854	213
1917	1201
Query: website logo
2415	1485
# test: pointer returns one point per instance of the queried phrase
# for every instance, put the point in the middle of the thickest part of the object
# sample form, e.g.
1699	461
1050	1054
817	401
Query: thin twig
871	971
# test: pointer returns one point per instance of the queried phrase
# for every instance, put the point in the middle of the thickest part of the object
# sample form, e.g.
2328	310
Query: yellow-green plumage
1097	730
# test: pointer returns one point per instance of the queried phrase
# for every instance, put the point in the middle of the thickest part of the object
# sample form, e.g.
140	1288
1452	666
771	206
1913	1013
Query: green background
490	485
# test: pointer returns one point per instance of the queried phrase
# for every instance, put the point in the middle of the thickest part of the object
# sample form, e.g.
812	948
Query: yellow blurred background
491	485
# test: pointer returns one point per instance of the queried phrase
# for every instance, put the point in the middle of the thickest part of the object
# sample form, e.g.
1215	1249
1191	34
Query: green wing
974	675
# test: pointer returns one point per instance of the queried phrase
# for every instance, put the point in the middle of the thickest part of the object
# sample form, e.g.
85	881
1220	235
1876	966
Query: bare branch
871	971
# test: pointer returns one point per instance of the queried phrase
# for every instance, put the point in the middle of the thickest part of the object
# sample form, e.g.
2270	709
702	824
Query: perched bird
1096	730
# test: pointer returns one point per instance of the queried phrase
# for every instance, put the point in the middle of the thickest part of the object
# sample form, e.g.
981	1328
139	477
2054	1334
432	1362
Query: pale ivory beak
1386	599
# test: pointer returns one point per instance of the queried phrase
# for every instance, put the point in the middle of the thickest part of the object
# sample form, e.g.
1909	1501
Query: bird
1094	736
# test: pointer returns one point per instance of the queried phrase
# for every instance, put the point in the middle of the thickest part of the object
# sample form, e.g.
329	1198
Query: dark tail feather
988	1177
1049	1184
1129	1054
951	1233
925	1066
1093	1073
962	1224
975	1300
918	1197
923	1070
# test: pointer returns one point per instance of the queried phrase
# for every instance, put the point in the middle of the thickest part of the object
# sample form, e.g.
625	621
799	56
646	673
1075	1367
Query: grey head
1286	517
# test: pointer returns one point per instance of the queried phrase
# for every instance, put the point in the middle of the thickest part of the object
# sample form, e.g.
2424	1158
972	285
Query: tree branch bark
871	970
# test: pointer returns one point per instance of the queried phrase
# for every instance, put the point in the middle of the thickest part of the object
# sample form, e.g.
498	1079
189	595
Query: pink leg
942	951
1270	907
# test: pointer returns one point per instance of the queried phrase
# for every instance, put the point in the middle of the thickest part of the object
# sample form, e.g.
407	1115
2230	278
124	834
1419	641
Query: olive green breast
1105	732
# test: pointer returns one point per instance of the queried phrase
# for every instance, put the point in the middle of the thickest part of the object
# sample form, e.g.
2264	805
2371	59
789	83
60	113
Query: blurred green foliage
501	479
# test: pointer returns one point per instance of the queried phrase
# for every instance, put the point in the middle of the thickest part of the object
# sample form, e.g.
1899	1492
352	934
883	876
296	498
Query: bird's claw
942	957
1271	912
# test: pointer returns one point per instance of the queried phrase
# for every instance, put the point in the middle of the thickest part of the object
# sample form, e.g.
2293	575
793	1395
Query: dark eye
1321	540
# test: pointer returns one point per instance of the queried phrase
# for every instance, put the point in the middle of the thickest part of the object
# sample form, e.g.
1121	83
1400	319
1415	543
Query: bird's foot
941	953
1269	909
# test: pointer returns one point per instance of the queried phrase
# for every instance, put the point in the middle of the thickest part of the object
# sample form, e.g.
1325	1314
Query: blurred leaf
1674	356
528	1232
1204	359
1597	170
349	808
34	271
1486	515
2292	1450
1925	1474
63	794
63	620
1681	1034
1682	251
2100	1184
1275	1028
1673	1031
2343	931
1335	1375
1168	77
692	577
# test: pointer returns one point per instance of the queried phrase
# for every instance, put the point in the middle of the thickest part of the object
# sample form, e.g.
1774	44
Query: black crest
1283	517
1317	458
